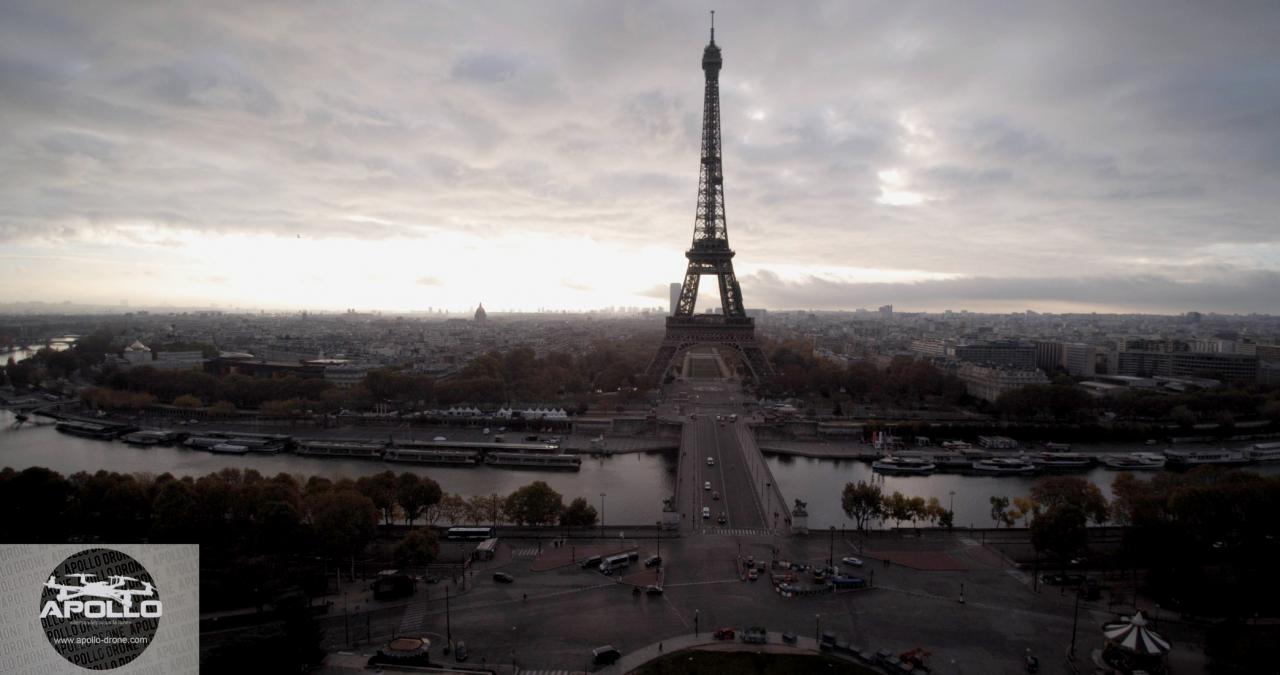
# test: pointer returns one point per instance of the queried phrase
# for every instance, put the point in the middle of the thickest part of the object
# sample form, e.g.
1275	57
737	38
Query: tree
1024	508
1000	511
381	489
578	514
898	507
417	549
451	509
1061	530
862	501
187	401
1074	491
344	521
414	494
484	509
534	504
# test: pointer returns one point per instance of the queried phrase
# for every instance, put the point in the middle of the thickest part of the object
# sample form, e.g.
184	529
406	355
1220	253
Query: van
603	656
592	562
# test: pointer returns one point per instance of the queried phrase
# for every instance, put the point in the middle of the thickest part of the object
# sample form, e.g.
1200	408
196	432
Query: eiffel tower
710	254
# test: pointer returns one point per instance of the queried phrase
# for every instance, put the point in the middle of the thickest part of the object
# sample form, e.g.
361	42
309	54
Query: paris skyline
1061	158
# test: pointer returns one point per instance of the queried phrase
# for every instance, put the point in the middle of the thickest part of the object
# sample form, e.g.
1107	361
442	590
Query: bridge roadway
748	495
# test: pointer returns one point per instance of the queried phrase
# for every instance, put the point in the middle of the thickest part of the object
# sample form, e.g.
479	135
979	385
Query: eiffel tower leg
756	361
661	362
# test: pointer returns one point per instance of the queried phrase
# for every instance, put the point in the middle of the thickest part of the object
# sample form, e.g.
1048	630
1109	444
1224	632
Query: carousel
1131	647
404	651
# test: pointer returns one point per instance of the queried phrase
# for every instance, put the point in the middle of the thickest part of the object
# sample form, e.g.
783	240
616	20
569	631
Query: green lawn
748	663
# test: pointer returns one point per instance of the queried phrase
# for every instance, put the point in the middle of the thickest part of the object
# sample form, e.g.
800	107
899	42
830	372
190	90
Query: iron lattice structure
710	254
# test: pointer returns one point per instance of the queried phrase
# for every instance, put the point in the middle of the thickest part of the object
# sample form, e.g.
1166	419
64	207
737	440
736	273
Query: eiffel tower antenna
710	254
713	26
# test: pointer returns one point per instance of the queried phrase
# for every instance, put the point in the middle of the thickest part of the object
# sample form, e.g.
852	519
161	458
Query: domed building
480	313
137	354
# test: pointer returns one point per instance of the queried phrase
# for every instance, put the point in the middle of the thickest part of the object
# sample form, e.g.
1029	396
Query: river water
634	484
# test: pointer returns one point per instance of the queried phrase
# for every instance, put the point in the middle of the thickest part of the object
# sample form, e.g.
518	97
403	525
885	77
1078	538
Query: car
828	641
706	512
653	561
715	495
503	577
789	638
755	635
723	634
753	574
706	486
762	566
633	555
592	562
603	656
1063	579
751	560
722	519
460	651
711	461
851	561
819	576
653	589
848	582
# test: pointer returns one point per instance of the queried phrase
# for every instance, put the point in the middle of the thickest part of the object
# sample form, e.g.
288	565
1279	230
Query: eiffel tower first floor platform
710	330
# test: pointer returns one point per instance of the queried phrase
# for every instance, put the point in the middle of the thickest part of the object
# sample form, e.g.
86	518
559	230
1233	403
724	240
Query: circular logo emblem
100	609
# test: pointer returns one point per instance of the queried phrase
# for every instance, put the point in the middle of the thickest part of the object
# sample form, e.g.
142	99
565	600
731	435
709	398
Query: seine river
634	484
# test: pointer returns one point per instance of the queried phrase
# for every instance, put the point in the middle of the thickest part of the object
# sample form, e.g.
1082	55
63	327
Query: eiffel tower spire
710	253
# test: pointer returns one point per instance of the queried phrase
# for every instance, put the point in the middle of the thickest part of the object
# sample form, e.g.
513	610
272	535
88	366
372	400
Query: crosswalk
526	552
414	617
731	531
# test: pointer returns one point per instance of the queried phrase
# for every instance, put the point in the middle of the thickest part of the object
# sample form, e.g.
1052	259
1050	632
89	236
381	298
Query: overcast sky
988	156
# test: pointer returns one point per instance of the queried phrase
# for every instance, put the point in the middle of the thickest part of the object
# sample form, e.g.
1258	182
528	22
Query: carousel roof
1133	634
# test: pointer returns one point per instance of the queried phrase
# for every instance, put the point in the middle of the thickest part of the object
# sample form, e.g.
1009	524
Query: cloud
1214	289
428	281
1093	142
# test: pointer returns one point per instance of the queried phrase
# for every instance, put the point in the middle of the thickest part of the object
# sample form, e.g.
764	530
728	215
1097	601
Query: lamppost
602	514
448	626
1075	621
659	553
831	548
817	628
953	505
695	623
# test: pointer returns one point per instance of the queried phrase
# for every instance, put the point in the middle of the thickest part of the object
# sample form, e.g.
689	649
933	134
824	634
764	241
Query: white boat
1264	452
907	465
1004	466
150	437
533	461
1062	461
465	457
1188	458
1134	461
229	449
340	449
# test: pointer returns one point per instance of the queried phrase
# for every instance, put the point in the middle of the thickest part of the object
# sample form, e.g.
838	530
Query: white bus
614	562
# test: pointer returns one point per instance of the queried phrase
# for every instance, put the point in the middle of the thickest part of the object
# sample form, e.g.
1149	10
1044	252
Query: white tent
1133	635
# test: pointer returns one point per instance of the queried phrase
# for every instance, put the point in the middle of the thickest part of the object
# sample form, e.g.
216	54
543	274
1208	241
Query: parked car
706	485
460	651
723	634
503	577
851	561
1063	579
603	656
828	641
653	589
653	561
592	562
753	574
755	635
789	638
722	519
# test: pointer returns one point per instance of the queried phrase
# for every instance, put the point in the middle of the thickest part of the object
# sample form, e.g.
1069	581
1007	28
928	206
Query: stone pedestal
800	518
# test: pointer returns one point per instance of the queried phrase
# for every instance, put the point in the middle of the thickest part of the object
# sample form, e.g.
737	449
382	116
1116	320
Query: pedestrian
659	647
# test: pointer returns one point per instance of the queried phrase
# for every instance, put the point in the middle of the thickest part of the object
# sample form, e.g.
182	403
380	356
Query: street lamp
659	553
602	514
695	623
831	548
448	626
953	505
817	628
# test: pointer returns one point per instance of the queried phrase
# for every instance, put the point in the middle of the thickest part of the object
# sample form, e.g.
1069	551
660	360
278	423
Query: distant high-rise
886	311
480	313
675	299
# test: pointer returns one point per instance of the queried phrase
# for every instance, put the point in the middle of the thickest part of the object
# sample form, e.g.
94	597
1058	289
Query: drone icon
111	589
